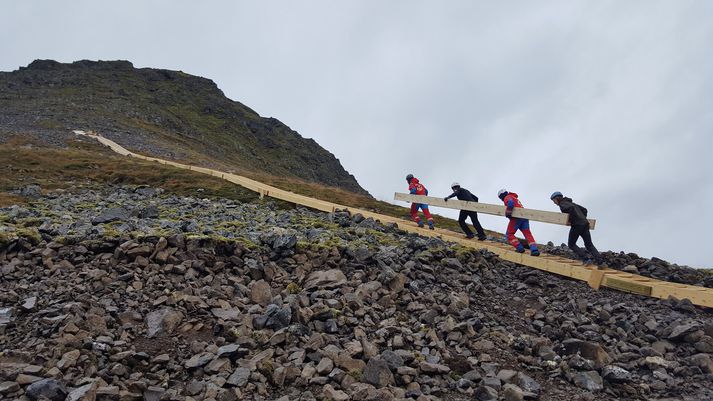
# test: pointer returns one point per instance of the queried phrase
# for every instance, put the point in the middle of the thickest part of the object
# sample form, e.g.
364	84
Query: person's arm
449	196
412	189
509	205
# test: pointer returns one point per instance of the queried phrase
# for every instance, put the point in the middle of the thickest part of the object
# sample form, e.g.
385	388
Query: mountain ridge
161	112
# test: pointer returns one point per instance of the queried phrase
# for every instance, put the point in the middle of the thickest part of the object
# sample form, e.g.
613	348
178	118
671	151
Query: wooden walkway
610	278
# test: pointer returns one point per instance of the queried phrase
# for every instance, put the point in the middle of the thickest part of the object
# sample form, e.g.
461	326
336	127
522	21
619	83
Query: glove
445	199
508	214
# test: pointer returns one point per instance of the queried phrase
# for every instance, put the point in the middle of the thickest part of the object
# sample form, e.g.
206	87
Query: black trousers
582	231
464	214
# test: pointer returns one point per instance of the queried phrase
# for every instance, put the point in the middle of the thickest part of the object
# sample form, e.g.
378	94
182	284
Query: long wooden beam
498	210
611	278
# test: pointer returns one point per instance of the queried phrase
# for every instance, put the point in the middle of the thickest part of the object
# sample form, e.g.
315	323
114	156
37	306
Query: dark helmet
409	178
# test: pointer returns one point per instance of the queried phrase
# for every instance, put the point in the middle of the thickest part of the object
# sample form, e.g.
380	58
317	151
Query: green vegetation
90	164
293	288
356	374
29	234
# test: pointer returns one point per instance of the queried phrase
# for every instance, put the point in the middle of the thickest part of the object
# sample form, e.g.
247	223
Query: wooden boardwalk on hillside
610	278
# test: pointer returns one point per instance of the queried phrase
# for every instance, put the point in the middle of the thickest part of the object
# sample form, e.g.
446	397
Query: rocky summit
125	293
169	114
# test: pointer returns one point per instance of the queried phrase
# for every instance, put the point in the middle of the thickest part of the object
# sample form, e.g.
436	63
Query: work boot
470	236
535	252
520	249
430	225
420	224
482	238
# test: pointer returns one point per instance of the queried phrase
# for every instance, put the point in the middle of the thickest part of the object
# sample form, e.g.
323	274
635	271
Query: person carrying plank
416	188
579	227
465	195
512	202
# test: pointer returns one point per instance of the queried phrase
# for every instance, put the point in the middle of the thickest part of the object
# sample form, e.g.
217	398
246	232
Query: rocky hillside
164	113
125	293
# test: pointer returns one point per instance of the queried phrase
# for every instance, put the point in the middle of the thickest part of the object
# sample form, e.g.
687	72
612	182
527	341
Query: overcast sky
610	102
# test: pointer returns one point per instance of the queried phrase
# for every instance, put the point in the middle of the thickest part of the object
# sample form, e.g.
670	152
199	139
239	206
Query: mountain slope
160	112
138	293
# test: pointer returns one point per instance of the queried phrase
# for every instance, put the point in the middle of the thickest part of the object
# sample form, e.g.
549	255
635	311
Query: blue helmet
555	195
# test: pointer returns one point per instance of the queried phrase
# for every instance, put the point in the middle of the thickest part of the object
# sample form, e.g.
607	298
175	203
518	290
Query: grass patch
81	162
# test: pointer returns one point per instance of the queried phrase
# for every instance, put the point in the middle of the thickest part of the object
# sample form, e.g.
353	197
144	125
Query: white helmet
455	184
501	192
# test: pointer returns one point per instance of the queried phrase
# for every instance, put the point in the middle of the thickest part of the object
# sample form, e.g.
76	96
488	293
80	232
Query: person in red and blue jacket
416	188
511	202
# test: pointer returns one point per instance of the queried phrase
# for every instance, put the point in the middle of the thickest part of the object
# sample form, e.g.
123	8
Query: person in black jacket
465	195
580	226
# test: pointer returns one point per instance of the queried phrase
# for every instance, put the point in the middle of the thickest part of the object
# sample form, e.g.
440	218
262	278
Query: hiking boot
430	226
520	249
483	238
535	252
470	236
420	224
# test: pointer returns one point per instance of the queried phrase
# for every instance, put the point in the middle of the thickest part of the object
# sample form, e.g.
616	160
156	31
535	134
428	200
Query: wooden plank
498	210
596	278
627	286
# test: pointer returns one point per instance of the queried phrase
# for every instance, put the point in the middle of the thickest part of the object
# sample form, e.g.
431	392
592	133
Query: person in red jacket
511	202
416	188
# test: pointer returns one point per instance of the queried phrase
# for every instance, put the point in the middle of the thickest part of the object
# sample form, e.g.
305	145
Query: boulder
589	380
261	293
240	377
325	279
377	373
485	393
111	214
87	392
69	359
512	392
586	349
615	374
680	331
162	322
334	395
51	389
227	313
277	318
393	360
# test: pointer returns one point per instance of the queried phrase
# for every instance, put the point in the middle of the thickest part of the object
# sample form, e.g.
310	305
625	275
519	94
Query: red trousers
524	226
414	212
